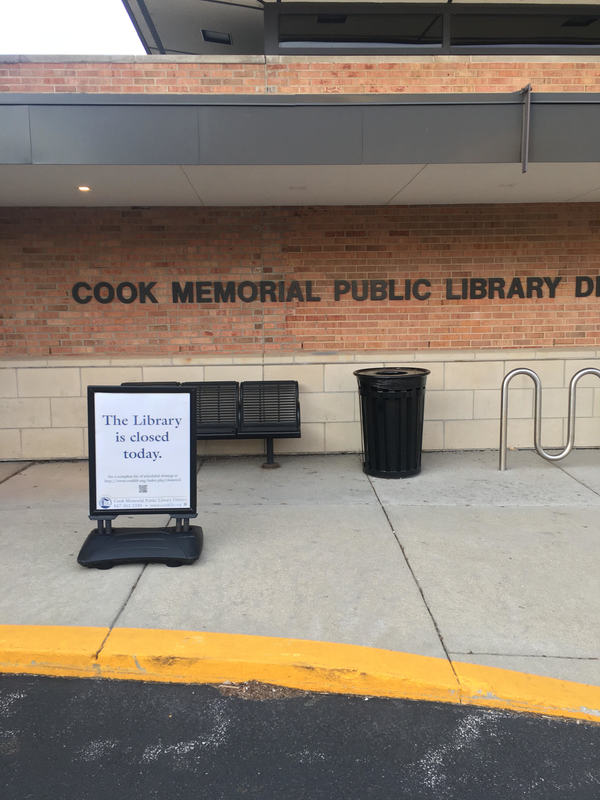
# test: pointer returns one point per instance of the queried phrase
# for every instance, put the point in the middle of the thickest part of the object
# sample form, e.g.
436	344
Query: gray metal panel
343	131
443	134
110	135
15	143
565	133
302	135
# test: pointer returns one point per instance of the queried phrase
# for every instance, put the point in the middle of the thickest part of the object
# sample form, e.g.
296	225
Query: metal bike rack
537	418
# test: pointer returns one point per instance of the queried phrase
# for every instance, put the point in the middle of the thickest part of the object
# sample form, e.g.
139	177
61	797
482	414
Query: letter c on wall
77	288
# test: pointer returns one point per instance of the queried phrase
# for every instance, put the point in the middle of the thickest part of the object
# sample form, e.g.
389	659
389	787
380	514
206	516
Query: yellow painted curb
196	657
50	650
519	691
192	657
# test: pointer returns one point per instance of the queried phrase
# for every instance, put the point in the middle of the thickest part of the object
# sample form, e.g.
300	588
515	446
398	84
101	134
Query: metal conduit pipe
537	419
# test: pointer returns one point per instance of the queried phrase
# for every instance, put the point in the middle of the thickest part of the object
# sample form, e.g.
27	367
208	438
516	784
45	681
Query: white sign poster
142	451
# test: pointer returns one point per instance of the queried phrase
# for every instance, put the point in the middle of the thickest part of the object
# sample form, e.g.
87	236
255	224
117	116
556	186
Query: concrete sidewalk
461	562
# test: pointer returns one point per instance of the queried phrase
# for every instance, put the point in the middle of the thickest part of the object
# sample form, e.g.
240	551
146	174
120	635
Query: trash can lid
391	372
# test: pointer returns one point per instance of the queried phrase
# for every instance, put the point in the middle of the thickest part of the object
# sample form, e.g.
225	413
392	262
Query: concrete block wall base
43	402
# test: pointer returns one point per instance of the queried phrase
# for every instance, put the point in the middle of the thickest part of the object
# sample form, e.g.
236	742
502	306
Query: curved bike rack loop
537	418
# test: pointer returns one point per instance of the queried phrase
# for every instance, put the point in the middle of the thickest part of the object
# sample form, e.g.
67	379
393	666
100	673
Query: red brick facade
45	252
341	75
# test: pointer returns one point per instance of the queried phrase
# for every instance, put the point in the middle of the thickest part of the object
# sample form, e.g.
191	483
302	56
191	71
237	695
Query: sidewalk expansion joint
25	466
119	612
577	480
523	655
419	588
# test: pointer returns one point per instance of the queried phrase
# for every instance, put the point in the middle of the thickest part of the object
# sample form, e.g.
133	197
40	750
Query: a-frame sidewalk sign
142	460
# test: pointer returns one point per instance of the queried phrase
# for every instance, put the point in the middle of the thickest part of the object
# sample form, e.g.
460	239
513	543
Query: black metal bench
249	410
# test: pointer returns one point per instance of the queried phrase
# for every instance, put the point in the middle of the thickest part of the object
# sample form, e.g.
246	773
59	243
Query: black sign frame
99	513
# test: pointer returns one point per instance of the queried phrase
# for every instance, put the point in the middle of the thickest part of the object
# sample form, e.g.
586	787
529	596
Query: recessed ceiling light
84	188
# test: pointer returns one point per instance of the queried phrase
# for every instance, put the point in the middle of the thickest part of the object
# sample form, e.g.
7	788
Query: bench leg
270	463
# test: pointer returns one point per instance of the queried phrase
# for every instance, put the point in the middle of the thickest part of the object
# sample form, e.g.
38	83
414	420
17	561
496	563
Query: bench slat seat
216	409
269	408
251	410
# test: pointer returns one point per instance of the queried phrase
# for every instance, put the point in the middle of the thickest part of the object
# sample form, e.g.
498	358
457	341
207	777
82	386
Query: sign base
103	550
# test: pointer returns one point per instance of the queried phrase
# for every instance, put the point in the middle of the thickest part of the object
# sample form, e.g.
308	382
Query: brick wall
467	343
44	252
301	75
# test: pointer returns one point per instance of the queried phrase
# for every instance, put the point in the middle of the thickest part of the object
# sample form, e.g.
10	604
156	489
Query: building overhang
208	27
298	150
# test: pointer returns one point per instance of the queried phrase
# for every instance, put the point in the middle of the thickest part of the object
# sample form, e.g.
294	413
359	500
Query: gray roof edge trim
565	97
318	100
286	101
82	58
128	6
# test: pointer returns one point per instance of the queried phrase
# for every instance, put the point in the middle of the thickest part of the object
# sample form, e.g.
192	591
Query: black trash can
392	401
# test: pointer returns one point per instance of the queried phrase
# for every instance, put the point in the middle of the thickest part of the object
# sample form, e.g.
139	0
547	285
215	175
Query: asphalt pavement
94	739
